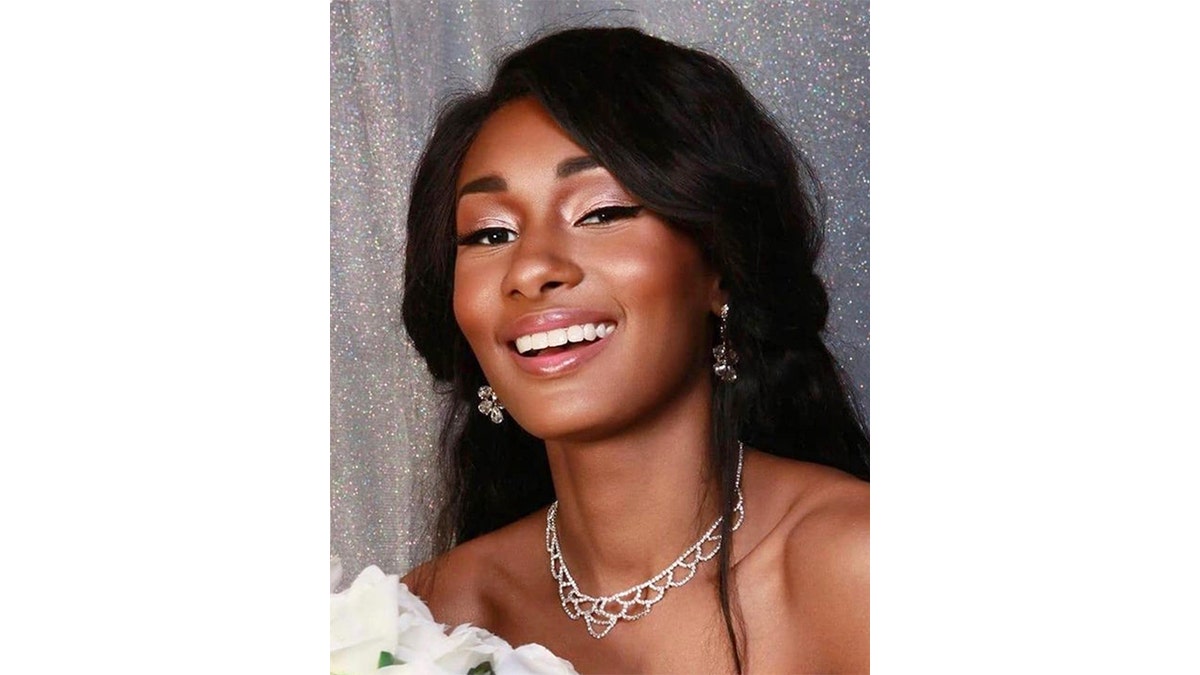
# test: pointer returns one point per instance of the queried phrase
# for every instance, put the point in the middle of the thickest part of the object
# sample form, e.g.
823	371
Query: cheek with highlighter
585	310
639	297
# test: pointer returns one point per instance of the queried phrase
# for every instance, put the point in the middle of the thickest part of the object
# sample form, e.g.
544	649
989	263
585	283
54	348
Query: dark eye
488	236
608	214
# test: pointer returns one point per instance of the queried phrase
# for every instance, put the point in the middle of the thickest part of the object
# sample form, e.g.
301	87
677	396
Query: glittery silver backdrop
390	65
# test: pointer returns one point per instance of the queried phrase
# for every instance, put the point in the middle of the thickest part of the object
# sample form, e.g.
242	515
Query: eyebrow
565	168
570	167
485	184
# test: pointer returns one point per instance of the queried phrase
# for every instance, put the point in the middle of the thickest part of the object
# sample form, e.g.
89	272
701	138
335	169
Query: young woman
651	463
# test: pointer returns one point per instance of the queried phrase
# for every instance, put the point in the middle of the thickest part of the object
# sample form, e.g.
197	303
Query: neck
630	504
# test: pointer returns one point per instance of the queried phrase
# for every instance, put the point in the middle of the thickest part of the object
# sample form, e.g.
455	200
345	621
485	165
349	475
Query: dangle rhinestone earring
724	358
490	405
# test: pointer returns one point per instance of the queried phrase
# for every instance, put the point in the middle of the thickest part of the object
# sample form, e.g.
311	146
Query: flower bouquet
378	626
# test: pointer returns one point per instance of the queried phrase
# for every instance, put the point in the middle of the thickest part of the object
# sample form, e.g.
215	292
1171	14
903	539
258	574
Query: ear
717	295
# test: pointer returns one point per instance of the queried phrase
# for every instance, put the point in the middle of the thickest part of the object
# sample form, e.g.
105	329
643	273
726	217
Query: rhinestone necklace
602	613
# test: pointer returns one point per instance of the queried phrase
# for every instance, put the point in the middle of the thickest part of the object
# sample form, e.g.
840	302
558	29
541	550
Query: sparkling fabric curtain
390	66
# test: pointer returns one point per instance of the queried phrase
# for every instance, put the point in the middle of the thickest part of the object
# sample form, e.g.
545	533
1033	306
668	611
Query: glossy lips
581	334
557	337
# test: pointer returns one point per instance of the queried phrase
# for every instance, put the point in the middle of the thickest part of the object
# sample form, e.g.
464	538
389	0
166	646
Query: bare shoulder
449	583
828	539
461	586
804	503
830	517
817	544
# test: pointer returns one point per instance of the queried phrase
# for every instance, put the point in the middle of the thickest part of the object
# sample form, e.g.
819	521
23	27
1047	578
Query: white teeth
561	336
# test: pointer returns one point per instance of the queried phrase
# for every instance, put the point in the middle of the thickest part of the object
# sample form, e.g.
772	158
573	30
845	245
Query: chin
560	425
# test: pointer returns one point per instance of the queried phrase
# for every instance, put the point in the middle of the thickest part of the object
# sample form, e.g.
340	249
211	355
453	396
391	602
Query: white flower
411	604
364	621
424	641
335	572
379	614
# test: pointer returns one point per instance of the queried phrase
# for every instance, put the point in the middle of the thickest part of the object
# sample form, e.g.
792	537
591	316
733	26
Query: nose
542	261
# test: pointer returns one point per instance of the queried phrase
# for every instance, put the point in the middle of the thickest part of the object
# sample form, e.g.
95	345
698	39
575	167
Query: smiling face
587	312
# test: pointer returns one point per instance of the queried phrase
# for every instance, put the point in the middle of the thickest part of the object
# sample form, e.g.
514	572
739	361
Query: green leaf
386	659
484	668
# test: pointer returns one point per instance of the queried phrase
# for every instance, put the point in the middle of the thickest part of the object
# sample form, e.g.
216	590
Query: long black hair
679	130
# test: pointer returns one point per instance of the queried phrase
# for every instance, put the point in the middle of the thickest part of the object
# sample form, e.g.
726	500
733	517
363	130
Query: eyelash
605	215
479	237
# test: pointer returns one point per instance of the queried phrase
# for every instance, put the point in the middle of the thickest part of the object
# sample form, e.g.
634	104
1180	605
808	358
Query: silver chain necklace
602	613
